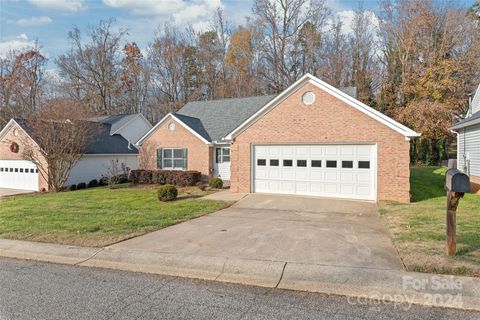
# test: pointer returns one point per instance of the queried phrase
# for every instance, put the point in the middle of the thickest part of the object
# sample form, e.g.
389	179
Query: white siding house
468	142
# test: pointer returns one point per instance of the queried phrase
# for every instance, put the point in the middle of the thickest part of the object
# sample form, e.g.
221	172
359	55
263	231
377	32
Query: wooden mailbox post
457	184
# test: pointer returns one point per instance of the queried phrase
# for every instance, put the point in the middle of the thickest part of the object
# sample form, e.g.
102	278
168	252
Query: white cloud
15	44
182	11
33	21
347	16
58	5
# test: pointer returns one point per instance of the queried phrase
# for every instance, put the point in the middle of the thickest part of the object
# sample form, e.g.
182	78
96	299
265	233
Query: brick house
114	140
311	139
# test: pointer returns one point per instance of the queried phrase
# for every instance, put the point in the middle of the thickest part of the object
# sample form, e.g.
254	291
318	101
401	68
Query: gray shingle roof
464	122
103	142
116	121
214	119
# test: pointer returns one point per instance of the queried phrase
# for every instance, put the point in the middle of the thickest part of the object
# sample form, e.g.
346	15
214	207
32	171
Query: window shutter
159	158
185	159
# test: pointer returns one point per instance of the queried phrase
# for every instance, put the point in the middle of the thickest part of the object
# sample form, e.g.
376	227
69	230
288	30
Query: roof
467	122
217	120
116	121
103	142
339	94
214	119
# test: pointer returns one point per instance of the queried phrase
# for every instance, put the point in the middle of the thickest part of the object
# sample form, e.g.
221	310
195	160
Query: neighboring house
468	142
311	139
114	140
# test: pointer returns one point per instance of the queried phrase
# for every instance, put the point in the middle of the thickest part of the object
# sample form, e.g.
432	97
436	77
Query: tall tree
92	69
280	22
135	80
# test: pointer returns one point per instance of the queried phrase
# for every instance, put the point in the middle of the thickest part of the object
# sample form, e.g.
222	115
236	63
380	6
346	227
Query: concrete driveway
290	229
12	192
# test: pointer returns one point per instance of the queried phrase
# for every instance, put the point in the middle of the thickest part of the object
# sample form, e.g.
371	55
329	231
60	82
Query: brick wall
22	140
327	120
199	153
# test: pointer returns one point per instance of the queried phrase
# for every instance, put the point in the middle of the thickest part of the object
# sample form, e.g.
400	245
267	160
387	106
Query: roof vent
308	98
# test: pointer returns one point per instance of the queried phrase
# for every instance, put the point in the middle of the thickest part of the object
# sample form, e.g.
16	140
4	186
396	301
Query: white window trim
173	158
222	155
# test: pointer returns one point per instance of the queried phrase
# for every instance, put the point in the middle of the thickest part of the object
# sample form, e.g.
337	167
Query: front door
221	167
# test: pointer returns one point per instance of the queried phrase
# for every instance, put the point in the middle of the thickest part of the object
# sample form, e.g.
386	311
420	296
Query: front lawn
98	216
419	228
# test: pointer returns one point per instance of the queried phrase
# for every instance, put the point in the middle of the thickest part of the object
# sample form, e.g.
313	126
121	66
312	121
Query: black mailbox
457	181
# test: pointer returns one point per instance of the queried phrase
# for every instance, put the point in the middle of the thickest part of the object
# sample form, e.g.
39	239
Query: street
30	290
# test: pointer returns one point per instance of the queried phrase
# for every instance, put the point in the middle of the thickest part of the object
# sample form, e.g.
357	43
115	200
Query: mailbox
457	181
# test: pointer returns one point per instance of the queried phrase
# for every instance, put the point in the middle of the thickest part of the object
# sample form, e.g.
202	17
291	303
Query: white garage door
18	174
340	171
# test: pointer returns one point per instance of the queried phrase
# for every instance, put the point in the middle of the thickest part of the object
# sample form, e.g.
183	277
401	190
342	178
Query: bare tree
92	70
62	137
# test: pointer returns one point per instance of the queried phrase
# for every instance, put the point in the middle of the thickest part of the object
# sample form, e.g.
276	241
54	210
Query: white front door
221	166
340	171
18	174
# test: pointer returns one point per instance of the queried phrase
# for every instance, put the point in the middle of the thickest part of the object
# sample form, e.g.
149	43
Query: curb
363	285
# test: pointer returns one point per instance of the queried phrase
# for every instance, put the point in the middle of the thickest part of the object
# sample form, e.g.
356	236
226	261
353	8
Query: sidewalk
361	285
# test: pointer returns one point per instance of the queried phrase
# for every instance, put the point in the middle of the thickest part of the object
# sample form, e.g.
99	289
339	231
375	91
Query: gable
332	92
180	127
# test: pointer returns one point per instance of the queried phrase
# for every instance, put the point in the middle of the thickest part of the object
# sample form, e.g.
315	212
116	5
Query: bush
200	185
215	183
73	187
176	177
123	178
103	181
167	192
81	185
93	184
141	176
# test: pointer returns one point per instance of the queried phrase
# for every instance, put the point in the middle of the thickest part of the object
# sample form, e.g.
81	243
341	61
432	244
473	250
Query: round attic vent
308	98
171	126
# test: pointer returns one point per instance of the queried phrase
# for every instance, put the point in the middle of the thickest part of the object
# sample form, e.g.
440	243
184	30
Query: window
363	164
301	163
347	164
1	169
316	163
274	162
261	162
21	170
16	169
331	163
32	170
172	158
222	155
287	163
11	169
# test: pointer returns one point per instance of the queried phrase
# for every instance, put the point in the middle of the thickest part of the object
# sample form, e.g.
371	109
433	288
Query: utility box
457	181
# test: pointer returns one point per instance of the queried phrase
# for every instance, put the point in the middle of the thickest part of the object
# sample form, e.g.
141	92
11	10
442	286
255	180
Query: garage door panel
18	174
302	169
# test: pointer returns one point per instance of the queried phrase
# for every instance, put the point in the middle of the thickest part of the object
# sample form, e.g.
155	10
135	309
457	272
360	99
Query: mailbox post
456	184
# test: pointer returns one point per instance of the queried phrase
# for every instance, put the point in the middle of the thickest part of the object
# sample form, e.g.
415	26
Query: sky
22	22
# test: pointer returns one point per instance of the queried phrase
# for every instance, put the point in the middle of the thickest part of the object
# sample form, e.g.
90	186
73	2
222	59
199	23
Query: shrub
93	184
123	178
215	183
73	187
81	185
141	176
176	177
167	192
103	181
200	185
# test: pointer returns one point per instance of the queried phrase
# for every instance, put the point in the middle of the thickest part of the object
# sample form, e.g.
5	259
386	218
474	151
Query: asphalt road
31	290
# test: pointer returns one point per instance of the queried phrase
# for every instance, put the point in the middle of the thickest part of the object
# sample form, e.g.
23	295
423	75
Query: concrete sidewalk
362	285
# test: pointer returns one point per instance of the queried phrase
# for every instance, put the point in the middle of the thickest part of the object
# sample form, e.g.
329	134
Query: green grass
418	228
97	217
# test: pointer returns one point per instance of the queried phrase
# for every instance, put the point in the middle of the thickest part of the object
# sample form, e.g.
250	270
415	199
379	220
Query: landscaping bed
418	228
98	216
